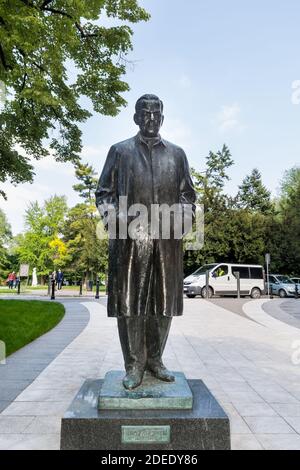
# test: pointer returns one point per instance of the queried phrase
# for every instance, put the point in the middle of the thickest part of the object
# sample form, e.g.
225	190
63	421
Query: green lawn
22	321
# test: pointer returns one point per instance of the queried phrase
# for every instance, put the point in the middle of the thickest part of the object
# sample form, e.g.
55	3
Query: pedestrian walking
59	279
11	280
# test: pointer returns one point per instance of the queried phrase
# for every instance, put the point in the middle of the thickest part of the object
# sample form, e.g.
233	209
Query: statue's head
149	115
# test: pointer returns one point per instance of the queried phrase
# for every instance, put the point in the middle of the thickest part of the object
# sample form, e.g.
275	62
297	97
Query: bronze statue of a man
145	281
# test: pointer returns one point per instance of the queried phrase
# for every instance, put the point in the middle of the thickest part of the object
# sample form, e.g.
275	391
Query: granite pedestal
186	416
153	394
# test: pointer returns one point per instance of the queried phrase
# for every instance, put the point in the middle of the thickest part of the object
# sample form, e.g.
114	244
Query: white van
222	280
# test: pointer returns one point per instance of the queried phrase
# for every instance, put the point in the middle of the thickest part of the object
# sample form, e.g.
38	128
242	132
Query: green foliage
284	234
42	111
89	254
5	238
217	165
253	195
235	228
238	229
209	186
290	182
40	245
86	174
246	237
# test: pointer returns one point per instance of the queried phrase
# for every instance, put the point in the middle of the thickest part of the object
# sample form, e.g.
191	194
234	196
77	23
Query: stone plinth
153	394
84	426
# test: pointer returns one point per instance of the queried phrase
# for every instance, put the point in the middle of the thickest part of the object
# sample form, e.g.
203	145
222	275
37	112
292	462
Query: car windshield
203	269
285	279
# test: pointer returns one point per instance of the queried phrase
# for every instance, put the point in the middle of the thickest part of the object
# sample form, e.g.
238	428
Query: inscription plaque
145	434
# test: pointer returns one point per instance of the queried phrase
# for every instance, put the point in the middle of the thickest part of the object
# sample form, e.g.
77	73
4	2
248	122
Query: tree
253	195
41	245
209	187
89	254
290	181
236	228
42	111
217	165
5	237
246	236
284	233
87	185
59	253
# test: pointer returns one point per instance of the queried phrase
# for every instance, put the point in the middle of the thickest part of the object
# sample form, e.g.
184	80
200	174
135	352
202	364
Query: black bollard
97	289
238	284
19	286
53	290
271	292
207	284
80	288
296	292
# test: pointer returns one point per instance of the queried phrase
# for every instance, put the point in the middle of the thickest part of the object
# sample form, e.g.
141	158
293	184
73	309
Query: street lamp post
53	290
97	288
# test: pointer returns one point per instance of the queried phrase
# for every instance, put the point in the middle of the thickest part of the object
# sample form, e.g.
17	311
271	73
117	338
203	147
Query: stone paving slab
287	311
23	366
245	360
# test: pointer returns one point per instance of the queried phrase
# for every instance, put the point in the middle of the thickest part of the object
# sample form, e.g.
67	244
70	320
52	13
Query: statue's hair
147	97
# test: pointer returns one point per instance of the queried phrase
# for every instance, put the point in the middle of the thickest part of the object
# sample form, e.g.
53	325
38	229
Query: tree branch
78	25
3	60
40	67
45	3
24	81
58	12
27	3
83	33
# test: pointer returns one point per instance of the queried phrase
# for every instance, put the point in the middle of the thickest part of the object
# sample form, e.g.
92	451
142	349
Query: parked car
222	280
296	280
281	285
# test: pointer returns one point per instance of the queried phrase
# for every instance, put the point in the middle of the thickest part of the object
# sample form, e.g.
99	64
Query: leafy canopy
38	39
41	245
5	238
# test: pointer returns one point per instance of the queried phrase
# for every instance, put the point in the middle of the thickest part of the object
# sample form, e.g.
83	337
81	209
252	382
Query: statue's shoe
133	379
161	373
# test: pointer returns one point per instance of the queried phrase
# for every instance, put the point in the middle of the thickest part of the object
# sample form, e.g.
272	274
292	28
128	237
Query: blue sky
224	69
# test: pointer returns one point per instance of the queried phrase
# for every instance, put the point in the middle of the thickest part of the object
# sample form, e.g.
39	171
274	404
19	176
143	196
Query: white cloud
228	119
94	152
50	178
49	164
18	199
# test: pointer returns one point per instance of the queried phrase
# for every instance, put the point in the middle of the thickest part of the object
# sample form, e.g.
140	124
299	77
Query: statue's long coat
145	276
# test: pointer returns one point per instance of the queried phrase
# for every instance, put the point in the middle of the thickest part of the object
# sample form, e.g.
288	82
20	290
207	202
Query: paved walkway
246	361
287	311
25	365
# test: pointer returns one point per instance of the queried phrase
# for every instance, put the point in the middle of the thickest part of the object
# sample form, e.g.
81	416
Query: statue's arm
106	192
187	195
187	191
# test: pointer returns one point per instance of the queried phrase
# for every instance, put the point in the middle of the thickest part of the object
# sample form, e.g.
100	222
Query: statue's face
149	118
